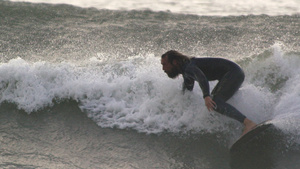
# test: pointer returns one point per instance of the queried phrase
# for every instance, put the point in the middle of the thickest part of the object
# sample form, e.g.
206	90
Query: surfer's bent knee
226	109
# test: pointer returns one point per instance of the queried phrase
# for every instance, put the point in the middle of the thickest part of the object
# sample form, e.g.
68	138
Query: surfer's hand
209	103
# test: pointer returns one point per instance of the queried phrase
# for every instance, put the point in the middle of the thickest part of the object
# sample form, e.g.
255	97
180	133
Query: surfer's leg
229	84
224	90
228	110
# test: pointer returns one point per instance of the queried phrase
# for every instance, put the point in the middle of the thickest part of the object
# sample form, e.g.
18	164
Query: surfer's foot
249	125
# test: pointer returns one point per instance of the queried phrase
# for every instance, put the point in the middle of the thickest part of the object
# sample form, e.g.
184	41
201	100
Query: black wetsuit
229	75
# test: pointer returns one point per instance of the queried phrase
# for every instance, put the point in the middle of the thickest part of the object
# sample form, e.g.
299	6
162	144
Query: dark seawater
64	137
83	88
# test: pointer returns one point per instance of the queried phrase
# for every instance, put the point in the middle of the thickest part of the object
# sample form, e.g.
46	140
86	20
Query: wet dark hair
174	55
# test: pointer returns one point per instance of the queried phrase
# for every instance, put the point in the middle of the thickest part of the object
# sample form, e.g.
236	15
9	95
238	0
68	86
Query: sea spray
135	93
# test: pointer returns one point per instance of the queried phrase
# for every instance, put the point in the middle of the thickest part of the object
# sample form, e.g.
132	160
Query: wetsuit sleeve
196	74
188	84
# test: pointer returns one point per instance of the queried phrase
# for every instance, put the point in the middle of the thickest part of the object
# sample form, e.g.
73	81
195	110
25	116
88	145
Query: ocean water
81	85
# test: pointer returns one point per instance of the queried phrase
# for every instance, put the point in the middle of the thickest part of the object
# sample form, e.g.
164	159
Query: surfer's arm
196	74
188	84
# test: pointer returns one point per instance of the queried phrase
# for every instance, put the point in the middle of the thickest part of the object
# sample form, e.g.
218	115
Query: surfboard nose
256	148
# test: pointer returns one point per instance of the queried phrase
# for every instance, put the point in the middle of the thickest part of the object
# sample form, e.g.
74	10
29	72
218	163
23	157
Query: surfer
202	70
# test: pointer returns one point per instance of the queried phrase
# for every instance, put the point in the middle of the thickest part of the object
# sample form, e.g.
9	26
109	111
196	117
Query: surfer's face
169	68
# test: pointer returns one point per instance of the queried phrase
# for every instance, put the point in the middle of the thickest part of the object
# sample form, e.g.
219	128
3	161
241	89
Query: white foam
282	71
135	93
